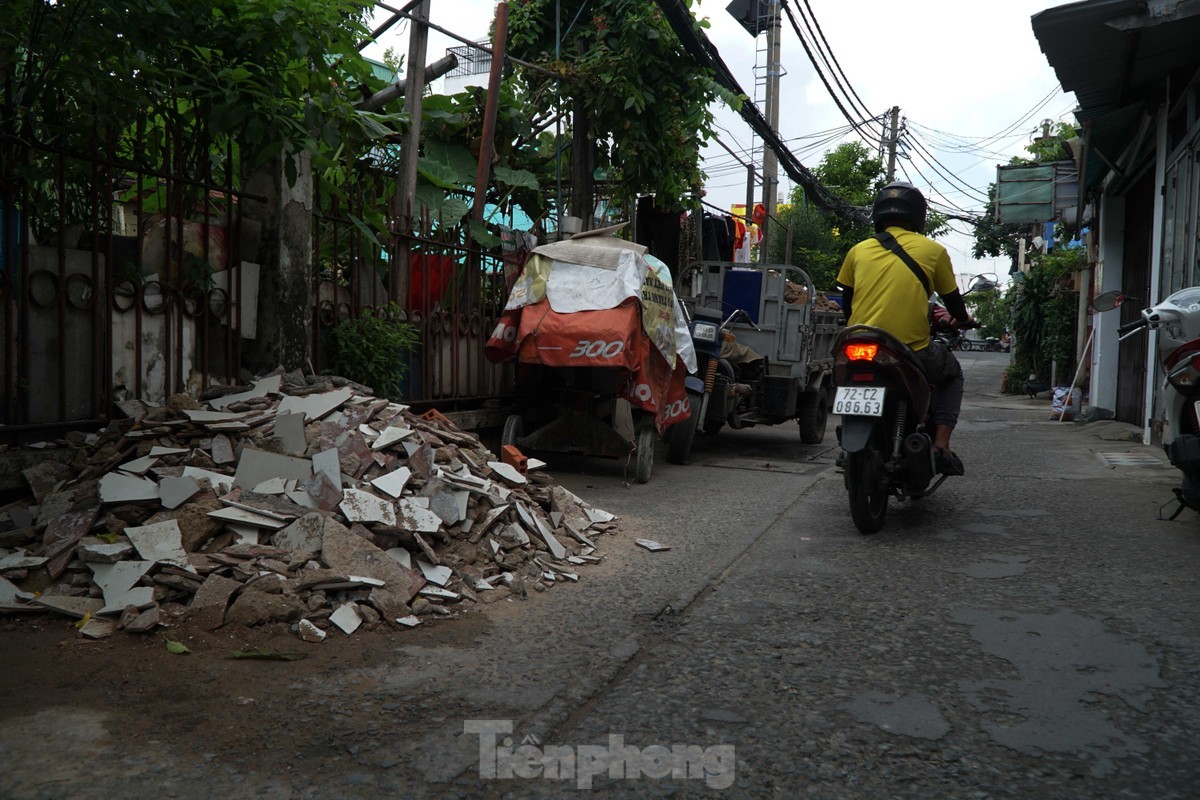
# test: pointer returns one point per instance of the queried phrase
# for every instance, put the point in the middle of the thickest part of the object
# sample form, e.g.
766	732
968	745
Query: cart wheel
679	437
514	429
645	451
814	415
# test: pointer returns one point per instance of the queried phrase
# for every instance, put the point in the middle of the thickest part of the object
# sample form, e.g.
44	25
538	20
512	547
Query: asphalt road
1028	631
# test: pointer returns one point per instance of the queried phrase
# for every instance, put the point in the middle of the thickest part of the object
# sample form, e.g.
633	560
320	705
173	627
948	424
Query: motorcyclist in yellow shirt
884	289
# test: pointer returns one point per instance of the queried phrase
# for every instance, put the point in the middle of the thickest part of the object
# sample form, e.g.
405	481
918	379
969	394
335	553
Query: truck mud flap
856	432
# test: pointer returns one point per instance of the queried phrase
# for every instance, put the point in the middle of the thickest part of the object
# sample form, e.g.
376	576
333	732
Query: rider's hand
966	324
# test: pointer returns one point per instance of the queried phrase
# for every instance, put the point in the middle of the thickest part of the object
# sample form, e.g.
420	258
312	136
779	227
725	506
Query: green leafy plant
371	348
1043	317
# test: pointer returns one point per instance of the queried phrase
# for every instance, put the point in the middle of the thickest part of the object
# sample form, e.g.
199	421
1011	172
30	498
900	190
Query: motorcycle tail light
860	351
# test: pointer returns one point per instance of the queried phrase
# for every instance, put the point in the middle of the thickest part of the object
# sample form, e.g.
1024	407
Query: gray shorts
946	377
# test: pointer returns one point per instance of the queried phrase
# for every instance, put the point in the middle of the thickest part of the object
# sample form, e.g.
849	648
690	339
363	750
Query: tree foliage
648	102
267	75
1042	314
819	239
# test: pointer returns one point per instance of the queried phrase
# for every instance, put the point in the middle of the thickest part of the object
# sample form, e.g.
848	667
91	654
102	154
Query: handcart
602	350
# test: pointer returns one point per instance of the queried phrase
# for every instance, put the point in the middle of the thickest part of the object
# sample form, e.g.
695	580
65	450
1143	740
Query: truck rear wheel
813	416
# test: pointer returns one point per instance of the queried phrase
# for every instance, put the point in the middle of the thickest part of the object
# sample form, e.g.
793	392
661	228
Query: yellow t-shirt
886	293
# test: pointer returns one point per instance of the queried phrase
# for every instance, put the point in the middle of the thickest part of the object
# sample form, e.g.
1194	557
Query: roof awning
1115	56
1113	53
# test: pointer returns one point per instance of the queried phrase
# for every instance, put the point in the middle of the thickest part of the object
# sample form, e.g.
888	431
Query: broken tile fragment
290	430
118	488
302	535
272	486
360	506
62	534
139	466
222	450
435	574
96	628
389	436
102	552
310	632
77	607
173	492
219	482
401	557
507	472
314	406
651	545
255	466
11	596
260	388
232	514
393	482
21	561
162	542
411	621
347	617
411	516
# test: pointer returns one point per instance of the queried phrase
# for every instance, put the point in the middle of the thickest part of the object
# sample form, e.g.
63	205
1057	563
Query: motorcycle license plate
862	401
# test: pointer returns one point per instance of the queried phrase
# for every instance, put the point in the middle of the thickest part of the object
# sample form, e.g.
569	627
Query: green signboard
1025	194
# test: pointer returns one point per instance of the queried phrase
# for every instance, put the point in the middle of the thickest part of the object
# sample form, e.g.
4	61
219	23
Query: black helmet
899	203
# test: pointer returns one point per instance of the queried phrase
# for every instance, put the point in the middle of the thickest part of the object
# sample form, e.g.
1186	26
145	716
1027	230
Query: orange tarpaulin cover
611	337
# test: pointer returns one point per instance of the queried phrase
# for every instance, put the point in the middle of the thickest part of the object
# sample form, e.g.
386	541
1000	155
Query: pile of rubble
297	500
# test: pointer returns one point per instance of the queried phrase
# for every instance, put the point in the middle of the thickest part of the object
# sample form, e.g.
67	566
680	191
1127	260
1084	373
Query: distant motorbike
1177	321
883	398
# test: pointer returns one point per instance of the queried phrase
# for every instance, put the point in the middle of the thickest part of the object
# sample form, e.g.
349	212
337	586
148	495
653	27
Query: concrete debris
310	632
347	617
297	500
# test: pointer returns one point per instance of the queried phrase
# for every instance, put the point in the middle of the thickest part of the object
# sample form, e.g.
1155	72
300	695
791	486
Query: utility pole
891	144
406	177
770	160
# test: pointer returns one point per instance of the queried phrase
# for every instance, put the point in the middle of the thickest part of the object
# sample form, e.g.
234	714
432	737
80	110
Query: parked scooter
884	397
1177	321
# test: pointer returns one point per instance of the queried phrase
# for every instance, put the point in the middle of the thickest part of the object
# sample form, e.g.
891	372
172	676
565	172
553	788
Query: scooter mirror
1109	300
980	284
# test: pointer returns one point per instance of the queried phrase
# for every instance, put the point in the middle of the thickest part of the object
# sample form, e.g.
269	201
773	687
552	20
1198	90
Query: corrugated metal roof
1112	53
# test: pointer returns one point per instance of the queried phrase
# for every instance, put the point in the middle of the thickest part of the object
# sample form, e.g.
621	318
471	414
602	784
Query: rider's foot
947	463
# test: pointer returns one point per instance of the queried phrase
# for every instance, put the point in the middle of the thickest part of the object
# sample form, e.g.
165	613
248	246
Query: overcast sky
961	72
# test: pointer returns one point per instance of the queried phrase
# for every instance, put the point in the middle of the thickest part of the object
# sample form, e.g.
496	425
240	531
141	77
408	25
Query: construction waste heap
298	500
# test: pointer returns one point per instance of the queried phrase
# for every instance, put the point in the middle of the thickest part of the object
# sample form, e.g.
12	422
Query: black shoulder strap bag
889	241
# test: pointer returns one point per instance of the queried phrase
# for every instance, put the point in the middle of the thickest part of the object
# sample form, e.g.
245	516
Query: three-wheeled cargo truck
764	348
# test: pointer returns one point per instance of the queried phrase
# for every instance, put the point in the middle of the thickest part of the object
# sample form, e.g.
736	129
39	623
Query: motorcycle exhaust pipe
918	460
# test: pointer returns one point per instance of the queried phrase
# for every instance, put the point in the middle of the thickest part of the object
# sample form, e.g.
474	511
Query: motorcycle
1177	321
883	397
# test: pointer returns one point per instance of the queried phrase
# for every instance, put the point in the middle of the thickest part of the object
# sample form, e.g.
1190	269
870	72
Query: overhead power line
700	48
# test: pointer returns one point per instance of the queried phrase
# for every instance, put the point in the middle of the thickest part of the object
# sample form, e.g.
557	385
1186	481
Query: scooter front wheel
866	482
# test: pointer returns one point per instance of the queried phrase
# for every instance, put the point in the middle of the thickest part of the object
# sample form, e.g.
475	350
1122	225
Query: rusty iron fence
119	278
126	277
451	290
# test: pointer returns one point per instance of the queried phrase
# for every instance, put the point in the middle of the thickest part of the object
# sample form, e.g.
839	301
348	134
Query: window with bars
471	60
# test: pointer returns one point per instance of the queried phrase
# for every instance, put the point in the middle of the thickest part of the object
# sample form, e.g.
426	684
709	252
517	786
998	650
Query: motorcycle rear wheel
866	483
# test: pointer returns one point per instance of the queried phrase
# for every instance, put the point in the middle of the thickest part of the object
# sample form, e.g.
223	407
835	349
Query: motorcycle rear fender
856	432
694	383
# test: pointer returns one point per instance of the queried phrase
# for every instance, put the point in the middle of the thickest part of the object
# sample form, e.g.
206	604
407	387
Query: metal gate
1135	282
120	280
